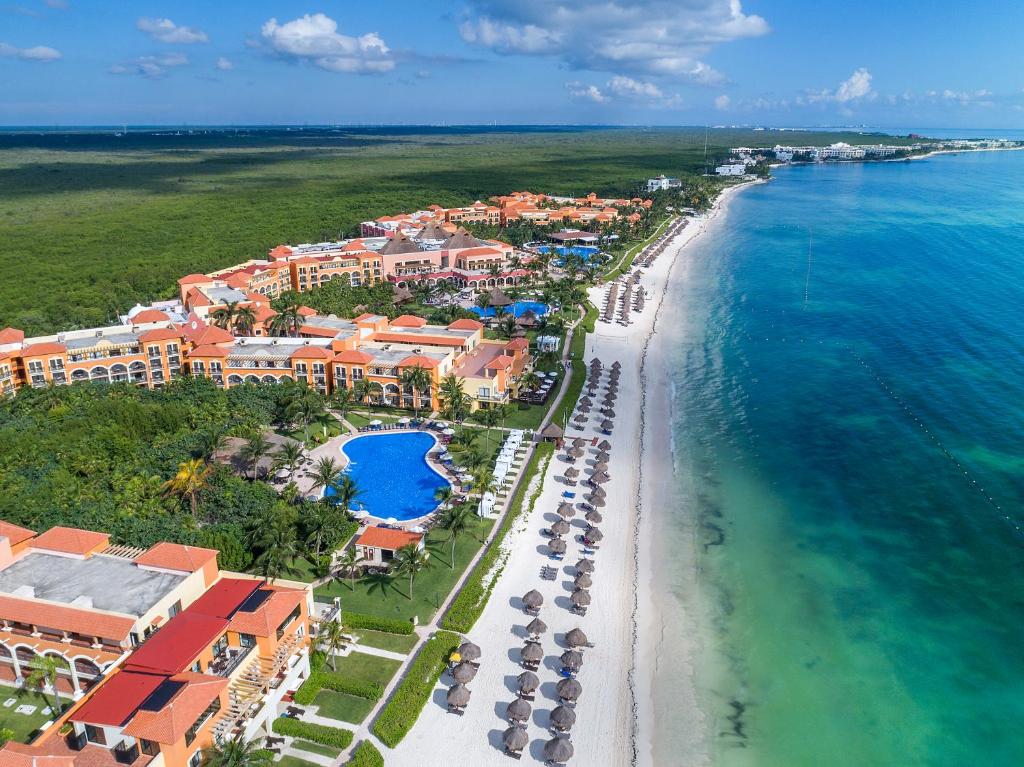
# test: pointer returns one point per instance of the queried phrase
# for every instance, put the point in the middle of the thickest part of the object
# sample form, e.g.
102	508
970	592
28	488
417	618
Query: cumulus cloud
41	53
630	88
314	38
224	64
664	38
150	66
584	92
166	31
622	88
856	86
722	102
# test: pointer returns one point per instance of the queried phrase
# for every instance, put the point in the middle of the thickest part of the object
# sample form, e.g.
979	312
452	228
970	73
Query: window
174	609
190	735
154	351
247	640
284	624
149	748
172	348
56	363
35	366
95	735
197	757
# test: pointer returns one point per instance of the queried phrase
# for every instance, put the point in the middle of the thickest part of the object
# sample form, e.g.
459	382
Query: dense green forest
95	223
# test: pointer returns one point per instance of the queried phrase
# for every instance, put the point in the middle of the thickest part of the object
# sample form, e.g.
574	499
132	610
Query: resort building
376	546
731	169
841	151
164	651
663	182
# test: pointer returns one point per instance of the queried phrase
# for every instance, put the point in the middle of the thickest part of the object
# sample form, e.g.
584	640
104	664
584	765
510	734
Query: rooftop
99	582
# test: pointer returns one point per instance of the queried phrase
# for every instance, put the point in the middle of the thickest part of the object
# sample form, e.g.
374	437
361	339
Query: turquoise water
850	436
392	473
517	309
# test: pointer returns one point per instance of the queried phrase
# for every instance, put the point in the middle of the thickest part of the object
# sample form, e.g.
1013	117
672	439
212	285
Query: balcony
228	660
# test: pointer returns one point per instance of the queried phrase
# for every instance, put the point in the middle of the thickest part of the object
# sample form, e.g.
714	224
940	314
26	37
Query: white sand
615	710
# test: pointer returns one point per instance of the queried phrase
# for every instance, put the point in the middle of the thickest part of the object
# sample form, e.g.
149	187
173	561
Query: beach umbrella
519	710
594	516
584	409
469	651
579	442
563	718
458	695
598	492
528	682
464	672
572	660
607	411
599	477
596	501
566	509
595	363
599	466
558	750
583	581
572	472
585	566
536	627
532	599
568	689
594	533
616	365
575	453
580	597
557	546
515	738
602	456
533	652
579	420
576	638
604	445
561	527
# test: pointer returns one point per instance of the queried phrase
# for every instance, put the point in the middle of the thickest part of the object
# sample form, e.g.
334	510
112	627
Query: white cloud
150	66
41	53
224	64
665	38
622	88
584	92
722	102
315	39
628	87
166	31
856	86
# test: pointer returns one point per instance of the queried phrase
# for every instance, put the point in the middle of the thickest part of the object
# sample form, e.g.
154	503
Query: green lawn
363	418
343	707
577	353
316	748
294	761
384	641
303	570
23	725
388	596
366	667
524	416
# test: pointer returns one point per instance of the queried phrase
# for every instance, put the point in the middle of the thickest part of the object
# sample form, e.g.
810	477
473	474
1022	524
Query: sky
878	63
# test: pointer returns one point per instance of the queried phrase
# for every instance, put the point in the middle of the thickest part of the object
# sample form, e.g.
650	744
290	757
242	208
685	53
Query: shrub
376	623
320	679
318	733
366	755
400	713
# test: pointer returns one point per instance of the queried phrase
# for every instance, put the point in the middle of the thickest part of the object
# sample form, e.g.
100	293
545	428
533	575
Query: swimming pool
583	251
517	309
393	475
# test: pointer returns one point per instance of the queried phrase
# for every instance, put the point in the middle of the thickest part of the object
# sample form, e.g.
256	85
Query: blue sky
891	63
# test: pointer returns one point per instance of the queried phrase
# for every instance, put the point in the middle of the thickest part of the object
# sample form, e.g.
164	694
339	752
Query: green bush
318	733
366	755
320	679
376	623
401	712
469	603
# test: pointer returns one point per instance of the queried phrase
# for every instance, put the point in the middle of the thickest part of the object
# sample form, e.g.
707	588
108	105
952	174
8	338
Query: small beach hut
464	672
458	696
532	599
572	660
515	740
519	710
566	510
552	433
580	598
558	751
561	527
585	566
557	546
576	638
568	690
536	627
528	682
583	581
497	297
533	652
563	718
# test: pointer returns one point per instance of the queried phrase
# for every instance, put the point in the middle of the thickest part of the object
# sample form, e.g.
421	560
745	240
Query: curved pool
516	310
393	475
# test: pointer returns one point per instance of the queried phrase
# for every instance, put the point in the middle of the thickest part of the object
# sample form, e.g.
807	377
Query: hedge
318	733
402	710
376	623
366	755
472	598
321	679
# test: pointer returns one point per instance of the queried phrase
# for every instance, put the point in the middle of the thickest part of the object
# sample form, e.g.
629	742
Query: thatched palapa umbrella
585	566
569	689
565	509
583	581
598	492
604	445
533	652
599	466
572	660
595	517
515	739
469	651
579	442
607	411
557	546
563	718
519	710
616	365
533	599
536	627
596	501
561	527
572	472
594	533
599	477
603	456
497	297
528	682
575	453
464	673
580	598
458	695
558	750
576	638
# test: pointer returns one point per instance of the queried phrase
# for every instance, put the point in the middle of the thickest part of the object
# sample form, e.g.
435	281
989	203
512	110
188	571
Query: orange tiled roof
500	362
15	754
160	334
353	356
267	617
175	556
466	324
408	321
14	533
517	343
385	538
307	311
312	353
170	723
210	334
73	619
70	540
208	350
192	279
150	315
45	348
11	336
418	359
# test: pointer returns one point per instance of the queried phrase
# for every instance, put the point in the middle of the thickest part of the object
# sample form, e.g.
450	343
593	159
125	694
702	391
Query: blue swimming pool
583	251
393	475
517	309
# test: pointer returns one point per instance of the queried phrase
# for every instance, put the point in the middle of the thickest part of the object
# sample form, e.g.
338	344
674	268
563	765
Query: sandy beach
615	712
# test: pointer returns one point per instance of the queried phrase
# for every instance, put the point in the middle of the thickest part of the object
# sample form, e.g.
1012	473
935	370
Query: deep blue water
850	436
392	474
517	309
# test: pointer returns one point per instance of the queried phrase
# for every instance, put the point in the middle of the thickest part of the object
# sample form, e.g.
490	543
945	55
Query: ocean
848	404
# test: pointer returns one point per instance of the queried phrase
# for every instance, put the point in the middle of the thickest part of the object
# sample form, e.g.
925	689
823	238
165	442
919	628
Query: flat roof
101	582
474	363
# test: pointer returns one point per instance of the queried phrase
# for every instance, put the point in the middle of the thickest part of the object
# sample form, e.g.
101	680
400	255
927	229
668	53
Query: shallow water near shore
849	446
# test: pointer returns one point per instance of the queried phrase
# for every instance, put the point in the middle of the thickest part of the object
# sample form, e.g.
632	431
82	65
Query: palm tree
489	418
236	752
304	406
254	449
245	320
325	421
288	456
507	326
211	441
410	560
321	521
224	316
288	320
191	478
331	638
361	390
456	521
348	563
280	546
326	474
456	402
418	379
342	401
444	495
529	380
45	669
346	492
483	301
